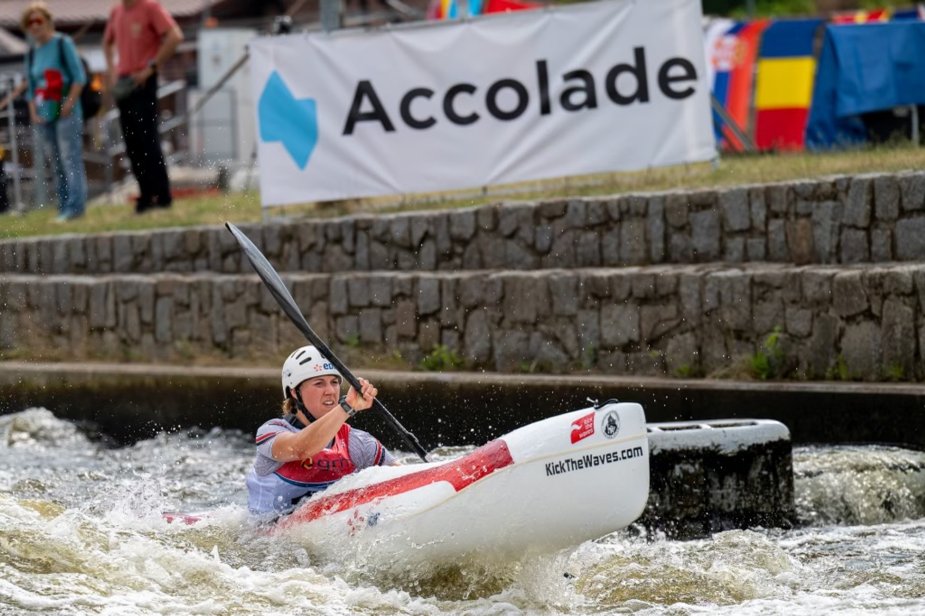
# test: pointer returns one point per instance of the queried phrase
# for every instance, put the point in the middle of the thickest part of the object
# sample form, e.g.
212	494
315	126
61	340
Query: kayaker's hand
361	403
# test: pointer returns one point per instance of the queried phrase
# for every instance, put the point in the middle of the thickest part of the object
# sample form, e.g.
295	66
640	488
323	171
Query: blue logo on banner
291	121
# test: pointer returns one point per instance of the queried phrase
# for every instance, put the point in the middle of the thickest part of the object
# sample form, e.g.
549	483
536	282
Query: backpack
91	98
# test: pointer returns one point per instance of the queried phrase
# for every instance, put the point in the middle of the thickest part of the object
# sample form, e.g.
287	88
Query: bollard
710	476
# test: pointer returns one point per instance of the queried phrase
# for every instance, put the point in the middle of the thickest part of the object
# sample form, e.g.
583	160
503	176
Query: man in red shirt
145	35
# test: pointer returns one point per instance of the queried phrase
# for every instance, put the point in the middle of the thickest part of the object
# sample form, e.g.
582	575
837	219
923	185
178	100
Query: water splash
858	485
81	533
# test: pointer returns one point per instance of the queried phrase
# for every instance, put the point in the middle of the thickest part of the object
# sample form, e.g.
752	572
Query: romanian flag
734	65
862	17
784	84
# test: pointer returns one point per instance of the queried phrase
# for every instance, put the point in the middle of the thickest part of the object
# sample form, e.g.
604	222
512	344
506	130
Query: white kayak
549	485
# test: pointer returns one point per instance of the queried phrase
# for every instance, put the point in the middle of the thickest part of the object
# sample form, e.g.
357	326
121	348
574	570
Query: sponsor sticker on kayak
610	425
567	465
582	428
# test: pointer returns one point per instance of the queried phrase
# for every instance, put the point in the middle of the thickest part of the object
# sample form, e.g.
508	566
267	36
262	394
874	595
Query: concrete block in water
710	476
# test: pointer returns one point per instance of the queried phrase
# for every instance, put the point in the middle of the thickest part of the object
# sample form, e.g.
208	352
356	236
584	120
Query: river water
81	532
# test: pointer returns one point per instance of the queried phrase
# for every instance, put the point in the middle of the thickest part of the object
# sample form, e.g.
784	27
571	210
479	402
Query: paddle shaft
281	294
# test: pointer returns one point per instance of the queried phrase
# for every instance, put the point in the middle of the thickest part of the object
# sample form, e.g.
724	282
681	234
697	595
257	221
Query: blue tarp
865	67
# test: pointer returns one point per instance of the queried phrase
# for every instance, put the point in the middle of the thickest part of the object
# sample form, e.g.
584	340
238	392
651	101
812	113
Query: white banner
606	86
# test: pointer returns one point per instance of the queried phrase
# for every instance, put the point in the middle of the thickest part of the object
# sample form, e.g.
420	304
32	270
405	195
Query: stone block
858	202
658	319
587	252
510	349
655	229
897	334
861	349
910	239
886	198
370	325
705	235
778	241
798	321
755	249
736	210
338	302
347	329
680	249
563	291
849	297
912	191
827	218
633	249
620	324
525	298
406	319
735	299
476	338
779	198
358	295
610	247
817	287
881	245
734	250
758	208
854	246
400	231
676	210
576	214
428	295
682	356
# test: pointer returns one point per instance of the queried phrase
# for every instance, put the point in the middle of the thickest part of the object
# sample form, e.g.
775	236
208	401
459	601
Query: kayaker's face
320	394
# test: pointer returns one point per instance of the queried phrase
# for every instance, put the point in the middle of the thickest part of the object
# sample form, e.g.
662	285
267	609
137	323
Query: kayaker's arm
308	441
315	436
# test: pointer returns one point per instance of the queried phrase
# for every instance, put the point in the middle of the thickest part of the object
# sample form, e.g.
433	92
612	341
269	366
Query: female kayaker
311	446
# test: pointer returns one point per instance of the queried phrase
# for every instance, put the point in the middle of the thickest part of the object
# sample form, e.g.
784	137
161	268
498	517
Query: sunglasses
35	21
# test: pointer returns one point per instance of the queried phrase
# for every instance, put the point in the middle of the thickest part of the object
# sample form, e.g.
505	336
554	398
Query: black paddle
279	291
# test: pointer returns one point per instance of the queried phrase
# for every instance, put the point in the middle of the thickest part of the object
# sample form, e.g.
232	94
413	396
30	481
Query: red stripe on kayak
459	473
187	518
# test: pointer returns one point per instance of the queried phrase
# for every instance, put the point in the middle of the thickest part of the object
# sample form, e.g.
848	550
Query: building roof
80	12
12	44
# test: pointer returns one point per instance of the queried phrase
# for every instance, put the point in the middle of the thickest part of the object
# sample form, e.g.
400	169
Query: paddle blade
284	298
275	285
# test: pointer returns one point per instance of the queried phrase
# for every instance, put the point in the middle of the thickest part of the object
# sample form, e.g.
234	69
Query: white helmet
305	363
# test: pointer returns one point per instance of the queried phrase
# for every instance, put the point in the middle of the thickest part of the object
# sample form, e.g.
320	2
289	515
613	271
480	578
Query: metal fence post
14	146
330	14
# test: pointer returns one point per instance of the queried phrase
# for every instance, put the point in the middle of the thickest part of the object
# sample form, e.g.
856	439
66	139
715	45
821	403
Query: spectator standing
55	77
144	35
39	160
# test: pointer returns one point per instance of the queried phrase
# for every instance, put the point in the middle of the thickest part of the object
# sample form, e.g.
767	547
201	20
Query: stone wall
847	220
810	280
813	322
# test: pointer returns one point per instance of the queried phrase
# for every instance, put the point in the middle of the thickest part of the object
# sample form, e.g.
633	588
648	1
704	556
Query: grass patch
102	218
441	359
766	363
245	207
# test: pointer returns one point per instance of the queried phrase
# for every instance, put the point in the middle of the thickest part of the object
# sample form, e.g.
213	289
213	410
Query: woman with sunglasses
55	77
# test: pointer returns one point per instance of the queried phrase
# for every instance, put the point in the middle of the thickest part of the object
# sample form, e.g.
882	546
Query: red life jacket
324	468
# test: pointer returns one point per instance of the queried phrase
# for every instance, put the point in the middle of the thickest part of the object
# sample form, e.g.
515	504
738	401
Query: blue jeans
63	140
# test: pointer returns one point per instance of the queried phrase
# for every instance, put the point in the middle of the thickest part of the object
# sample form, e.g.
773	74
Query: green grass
245	207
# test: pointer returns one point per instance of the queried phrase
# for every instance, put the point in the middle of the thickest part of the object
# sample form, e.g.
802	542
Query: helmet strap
300	406
295	422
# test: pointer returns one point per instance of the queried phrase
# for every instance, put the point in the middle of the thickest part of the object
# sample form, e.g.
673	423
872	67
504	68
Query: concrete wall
713	476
